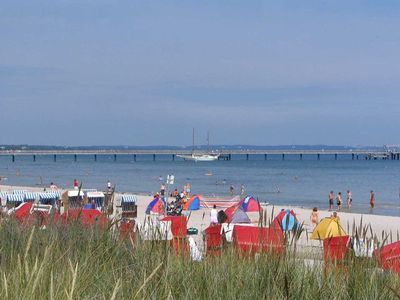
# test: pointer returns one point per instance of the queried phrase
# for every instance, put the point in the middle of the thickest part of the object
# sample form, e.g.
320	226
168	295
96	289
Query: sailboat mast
208	141
193	141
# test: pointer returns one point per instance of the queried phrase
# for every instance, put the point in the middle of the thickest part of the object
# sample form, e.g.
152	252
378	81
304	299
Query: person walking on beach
349	199
372	199
242	190
314	217
339	200
109	185
331	197
214	216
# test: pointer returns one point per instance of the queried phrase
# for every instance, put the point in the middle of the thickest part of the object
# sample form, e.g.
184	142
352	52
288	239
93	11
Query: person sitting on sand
314	217
335	216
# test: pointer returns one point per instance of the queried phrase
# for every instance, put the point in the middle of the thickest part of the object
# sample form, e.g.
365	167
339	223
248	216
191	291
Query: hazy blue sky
96	72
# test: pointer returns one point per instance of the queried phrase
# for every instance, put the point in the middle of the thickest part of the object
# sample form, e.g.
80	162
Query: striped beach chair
49	198
19	192
14	200
97	197
30	197
129	207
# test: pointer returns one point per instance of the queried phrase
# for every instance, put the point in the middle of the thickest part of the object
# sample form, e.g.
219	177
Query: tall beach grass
75	262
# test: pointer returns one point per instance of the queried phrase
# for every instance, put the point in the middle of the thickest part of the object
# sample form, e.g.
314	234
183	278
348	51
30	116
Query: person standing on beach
214	216
331	197
109	185
339	200
372	199
76	184
349	199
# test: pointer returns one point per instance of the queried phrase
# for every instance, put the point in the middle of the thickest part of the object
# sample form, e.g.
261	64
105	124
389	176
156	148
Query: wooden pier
226	155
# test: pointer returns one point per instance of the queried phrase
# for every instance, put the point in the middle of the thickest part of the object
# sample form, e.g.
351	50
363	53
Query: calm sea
302	183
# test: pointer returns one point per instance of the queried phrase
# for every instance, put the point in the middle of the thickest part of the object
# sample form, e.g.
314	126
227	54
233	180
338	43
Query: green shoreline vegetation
90	263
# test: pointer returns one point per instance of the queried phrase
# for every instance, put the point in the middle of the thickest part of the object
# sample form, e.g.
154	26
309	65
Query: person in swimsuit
349	198
339	200
372	199
331	197
314	217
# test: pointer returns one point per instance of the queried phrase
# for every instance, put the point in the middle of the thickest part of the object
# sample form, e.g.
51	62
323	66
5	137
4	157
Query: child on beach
314	217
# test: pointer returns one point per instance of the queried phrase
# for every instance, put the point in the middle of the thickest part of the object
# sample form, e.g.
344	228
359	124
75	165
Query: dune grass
85	263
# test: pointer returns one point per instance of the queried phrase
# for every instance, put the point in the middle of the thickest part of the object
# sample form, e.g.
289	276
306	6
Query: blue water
301	183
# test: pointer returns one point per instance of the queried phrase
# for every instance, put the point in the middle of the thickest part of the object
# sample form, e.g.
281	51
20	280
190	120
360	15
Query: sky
108	72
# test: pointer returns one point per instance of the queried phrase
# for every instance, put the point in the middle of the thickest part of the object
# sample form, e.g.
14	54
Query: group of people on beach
339	199
349	198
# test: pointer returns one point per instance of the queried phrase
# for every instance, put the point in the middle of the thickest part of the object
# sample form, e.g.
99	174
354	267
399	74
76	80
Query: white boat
199	157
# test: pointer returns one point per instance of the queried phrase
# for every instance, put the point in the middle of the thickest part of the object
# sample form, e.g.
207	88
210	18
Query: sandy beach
200	219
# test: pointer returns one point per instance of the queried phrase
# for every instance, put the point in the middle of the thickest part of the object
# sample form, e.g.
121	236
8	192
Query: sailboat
201	156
